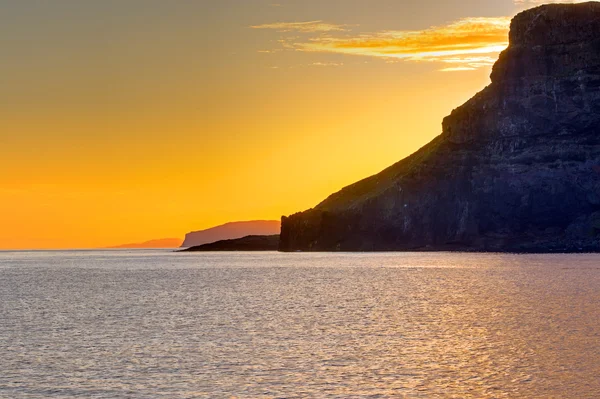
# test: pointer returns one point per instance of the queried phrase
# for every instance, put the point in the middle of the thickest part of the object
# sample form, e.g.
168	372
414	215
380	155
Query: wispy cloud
457	69
327	64
303	27
466	44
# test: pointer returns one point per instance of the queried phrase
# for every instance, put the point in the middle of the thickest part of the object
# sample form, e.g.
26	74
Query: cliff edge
516	168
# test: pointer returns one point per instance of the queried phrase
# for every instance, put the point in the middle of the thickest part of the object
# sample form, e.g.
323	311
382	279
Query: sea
160	324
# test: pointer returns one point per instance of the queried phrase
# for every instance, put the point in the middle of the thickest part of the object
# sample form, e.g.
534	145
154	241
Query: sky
125	121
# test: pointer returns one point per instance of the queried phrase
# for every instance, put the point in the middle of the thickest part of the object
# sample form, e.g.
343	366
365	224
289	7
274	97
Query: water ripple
152	324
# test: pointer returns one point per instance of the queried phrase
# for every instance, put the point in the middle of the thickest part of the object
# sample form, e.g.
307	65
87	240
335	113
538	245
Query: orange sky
123	123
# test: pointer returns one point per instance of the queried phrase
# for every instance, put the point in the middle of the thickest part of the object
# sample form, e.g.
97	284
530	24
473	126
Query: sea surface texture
155	324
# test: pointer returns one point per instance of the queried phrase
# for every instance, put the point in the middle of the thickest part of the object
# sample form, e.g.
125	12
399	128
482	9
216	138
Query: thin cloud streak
457	69
302	27
468	43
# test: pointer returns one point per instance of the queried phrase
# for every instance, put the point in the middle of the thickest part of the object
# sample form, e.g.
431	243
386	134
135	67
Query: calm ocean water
155	324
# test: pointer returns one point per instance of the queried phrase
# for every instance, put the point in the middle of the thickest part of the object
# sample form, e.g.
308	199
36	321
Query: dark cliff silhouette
250	244
517	168
232	231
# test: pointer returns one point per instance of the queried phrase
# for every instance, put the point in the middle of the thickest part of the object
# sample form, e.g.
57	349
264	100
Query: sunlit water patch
152	324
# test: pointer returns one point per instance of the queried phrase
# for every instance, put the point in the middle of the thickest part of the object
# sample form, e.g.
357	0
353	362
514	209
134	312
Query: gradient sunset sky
125	121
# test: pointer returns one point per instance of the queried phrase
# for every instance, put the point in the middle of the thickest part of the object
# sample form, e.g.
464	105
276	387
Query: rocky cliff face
517	168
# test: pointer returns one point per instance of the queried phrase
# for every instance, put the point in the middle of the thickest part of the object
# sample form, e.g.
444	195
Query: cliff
232	231
250	243
516	168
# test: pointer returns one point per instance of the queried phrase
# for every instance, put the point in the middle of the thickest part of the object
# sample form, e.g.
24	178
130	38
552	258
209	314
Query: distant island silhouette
249	243
232	230
152	244
516	168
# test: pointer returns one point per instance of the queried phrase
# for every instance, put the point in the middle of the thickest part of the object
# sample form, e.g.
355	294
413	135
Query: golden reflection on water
153	324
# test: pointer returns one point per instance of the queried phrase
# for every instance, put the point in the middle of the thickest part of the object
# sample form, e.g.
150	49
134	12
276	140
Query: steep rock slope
517	168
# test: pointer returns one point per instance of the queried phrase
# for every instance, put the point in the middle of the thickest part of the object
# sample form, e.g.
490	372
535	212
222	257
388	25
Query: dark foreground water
153	324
